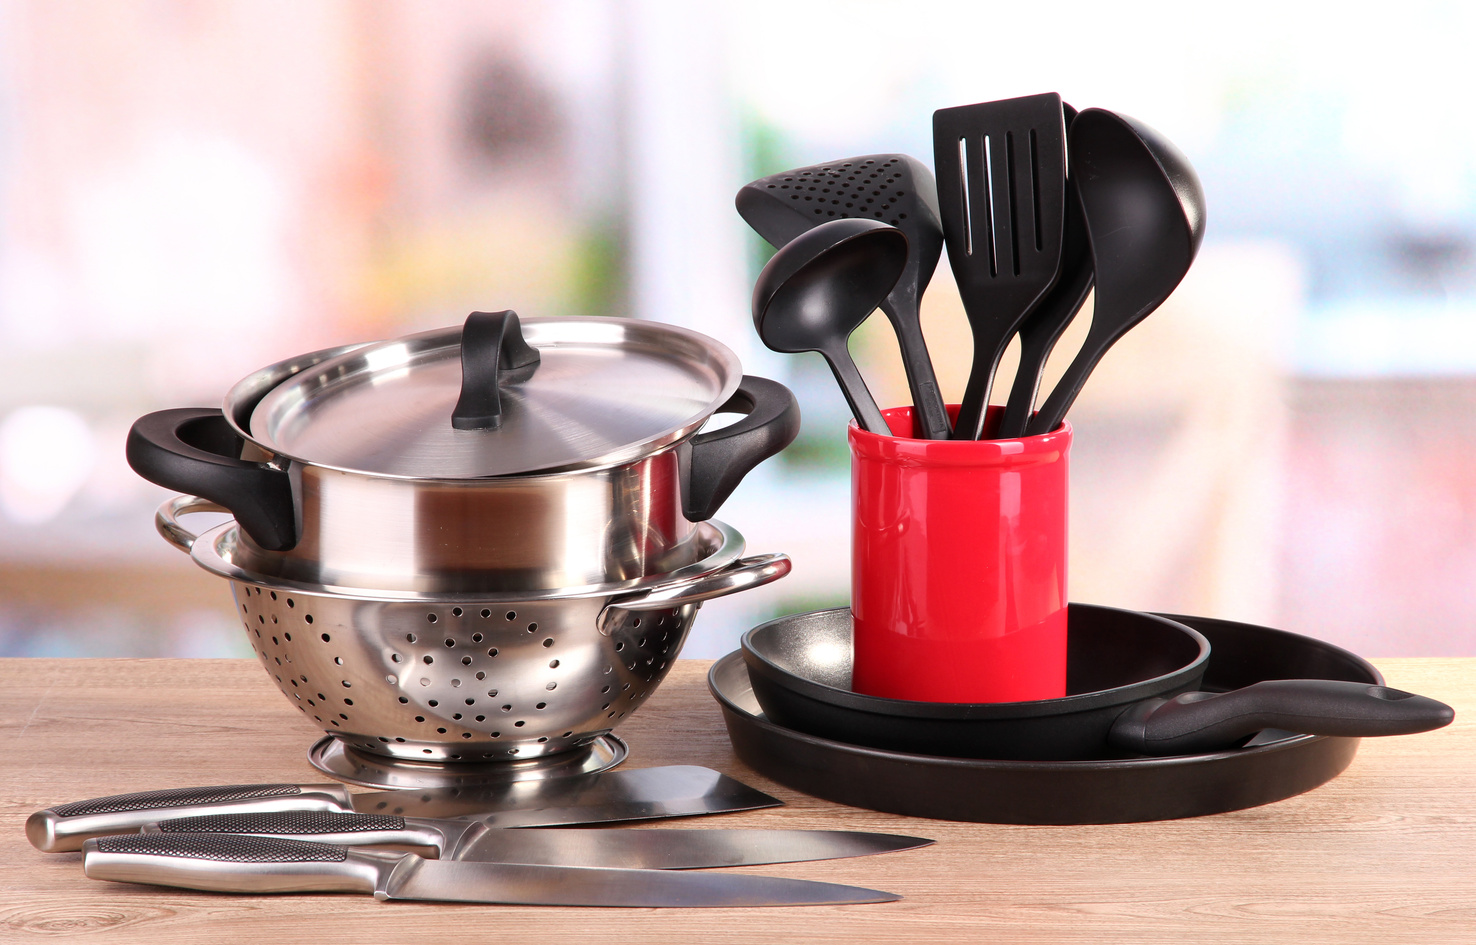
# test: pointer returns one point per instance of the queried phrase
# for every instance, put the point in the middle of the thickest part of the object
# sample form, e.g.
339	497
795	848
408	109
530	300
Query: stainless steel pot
468	678
359	470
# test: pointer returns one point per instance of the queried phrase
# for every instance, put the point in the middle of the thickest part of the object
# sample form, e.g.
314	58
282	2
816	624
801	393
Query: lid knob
493	352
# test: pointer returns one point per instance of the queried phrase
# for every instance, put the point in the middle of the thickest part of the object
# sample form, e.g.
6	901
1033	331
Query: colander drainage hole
457	716
553	664
400	740
619	645
476	638
426	750
420	718
338	660
456	611
486	612
466	661
518	724
481	675
404	700
433	703
409	638
431	617
427	659
325	638
512	615
549	642
308	617
471	702
394	657
492	652
441	730
450	644
291	602
507	708
637	622
541	705
481	718
606	689
466	735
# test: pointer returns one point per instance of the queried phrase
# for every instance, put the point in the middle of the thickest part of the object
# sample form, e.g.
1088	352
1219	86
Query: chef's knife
607	796
235	863
473	840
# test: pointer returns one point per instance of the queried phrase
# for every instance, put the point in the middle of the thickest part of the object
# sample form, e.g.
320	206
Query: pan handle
194	450
714	463
738	576
1196	722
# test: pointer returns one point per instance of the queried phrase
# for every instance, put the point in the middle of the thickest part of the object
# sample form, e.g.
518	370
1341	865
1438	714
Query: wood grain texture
1384	853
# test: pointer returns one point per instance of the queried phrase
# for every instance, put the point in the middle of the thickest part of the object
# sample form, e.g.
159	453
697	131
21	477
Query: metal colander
467	679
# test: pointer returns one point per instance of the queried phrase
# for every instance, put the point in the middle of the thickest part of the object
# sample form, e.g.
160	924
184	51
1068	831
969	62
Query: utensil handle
1203	721
347	829
1063	395
64	827
233	863
714	463
194	450
929	412
493	352
853	388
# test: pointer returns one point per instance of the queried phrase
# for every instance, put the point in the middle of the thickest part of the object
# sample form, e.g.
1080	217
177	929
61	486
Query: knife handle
64	827
355	830
233	863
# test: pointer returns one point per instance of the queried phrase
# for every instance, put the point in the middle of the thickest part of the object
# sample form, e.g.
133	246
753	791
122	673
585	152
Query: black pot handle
194	450
1204	721
714	463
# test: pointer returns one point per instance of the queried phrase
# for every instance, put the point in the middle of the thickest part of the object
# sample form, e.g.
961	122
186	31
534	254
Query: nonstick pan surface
1273	766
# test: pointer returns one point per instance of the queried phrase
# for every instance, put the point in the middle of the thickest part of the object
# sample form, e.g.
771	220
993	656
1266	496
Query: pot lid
542	395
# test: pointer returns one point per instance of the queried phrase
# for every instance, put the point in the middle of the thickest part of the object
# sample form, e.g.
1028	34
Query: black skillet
1133	684
1270	767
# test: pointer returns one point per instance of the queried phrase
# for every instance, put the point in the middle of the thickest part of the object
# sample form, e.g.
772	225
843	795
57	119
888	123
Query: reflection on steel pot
564	457
470	677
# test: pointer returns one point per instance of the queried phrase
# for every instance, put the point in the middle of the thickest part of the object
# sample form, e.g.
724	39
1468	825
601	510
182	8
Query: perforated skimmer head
892	188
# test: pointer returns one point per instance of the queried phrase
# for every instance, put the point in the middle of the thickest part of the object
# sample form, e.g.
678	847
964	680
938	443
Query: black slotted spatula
1002	199
894	189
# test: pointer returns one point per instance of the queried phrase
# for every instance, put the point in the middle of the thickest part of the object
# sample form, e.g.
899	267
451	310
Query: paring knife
473	840
239	864
604	797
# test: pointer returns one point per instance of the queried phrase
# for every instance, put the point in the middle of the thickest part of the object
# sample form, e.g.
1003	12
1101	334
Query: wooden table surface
1384	853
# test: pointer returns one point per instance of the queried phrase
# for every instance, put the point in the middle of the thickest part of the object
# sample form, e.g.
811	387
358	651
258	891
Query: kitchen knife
240	864
606	796
474	840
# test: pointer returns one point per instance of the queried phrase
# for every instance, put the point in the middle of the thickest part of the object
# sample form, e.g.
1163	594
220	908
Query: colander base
344	763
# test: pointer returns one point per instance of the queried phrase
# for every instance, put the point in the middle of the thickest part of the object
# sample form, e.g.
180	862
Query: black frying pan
1271	767
1133	683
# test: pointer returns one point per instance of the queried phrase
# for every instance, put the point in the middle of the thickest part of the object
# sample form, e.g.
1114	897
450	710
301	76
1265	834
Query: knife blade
241	864
473	840
603	797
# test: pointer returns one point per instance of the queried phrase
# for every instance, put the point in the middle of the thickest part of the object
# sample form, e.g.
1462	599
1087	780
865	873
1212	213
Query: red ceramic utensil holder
958	565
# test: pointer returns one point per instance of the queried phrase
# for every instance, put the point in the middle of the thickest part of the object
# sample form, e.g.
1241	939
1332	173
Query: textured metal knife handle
64	827
233	863
316	826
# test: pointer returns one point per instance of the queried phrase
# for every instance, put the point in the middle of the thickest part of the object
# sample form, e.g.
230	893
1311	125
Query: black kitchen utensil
1129	677
1044	326
1145	214
1002	198
820	287
1273	766
895	189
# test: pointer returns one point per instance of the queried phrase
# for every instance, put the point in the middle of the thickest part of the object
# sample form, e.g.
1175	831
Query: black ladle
892	188
820	287
1145	213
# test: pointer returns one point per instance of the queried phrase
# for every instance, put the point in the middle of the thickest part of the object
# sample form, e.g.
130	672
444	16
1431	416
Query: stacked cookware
959	683
476	548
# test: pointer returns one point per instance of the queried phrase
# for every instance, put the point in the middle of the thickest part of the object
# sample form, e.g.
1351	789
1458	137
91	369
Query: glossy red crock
958	565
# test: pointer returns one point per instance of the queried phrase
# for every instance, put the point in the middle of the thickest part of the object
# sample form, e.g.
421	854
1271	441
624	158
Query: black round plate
1273	766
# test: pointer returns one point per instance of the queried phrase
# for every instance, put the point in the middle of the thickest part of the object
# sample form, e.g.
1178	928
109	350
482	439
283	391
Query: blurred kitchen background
190	189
